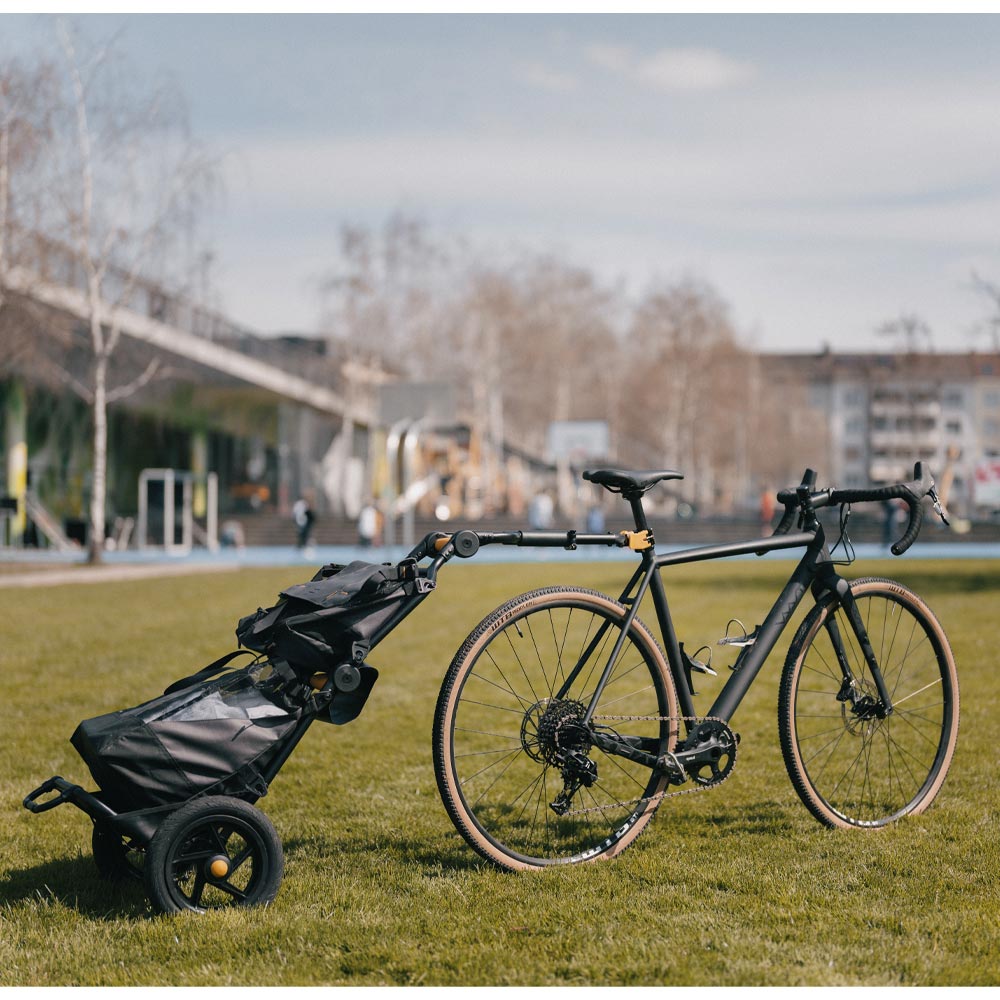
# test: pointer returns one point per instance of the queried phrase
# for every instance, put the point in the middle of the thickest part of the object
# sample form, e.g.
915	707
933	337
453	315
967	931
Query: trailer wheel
212	853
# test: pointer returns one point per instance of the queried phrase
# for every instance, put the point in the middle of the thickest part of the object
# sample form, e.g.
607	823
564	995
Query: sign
577	441
987	483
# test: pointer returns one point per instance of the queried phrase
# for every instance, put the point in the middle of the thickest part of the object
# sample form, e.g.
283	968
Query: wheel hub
860	709
218	866
554	732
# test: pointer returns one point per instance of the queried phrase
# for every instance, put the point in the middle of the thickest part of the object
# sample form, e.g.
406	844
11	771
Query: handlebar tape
787	520
912	529
912	493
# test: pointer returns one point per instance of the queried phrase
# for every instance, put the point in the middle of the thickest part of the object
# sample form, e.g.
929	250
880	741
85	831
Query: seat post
638	513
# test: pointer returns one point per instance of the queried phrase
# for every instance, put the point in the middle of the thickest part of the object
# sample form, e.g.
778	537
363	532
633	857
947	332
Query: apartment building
883	412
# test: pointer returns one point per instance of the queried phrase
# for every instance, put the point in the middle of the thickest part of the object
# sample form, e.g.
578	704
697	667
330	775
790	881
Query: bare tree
685	389
131	184
26	99
385	288
910	331
991	325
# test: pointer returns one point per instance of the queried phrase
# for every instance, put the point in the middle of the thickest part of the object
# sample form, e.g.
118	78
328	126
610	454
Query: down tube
770	632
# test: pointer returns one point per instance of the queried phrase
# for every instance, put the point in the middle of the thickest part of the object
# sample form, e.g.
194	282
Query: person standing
367	525
302	515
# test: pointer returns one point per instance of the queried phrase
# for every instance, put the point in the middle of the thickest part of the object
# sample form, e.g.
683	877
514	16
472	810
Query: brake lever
938	507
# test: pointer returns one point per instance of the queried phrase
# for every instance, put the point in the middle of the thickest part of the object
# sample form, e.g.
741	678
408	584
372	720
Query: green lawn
737	886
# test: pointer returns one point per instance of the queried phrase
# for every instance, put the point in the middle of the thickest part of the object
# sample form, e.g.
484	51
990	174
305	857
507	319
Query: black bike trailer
178	776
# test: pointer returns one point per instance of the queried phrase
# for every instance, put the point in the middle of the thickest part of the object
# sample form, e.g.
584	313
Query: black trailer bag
201	733
335	617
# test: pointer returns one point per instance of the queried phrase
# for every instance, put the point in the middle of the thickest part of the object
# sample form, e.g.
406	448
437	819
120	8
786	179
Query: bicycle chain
659	796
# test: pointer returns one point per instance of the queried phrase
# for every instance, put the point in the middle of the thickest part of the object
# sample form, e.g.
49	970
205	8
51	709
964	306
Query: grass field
737	886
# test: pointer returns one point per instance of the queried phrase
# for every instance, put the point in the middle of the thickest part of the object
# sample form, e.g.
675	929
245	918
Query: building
884	412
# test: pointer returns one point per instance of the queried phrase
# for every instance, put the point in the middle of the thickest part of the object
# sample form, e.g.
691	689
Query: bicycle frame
815	571
815	567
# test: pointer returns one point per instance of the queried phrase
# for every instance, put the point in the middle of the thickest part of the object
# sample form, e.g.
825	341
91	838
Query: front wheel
852	764
519	765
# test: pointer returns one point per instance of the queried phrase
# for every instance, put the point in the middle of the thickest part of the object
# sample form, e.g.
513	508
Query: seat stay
585	656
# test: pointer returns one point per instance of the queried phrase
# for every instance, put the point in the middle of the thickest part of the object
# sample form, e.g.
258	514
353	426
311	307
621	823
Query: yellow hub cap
219	867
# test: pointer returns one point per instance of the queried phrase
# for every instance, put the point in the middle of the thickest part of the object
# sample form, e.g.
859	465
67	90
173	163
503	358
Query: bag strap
216	667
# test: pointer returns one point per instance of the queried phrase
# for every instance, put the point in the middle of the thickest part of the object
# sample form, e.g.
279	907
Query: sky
825	174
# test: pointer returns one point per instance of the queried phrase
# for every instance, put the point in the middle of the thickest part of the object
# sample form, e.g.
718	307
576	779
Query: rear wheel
852	765
212	853
517	762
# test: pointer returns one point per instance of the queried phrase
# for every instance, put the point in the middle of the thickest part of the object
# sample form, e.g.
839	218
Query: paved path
99	574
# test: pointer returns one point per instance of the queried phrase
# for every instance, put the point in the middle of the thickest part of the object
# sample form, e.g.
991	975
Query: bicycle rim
505	723
850	767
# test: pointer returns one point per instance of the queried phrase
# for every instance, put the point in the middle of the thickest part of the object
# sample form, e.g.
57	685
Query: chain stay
659	796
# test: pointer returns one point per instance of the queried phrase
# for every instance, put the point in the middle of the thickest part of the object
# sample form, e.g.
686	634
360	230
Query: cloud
546	78
674	70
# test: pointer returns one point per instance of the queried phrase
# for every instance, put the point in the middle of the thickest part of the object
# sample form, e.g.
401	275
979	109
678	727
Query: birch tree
26	105
131	186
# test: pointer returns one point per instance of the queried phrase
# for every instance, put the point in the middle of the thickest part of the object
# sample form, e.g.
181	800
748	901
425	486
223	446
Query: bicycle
562	723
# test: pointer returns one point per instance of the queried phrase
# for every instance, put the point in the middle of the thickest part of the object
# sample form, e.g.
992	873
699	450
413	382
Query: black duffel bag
205	732
335	617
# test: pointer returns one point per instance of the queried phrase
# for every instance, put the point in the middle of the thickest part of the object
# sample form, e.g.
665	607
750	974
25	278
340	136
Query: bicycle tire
857	772
498	725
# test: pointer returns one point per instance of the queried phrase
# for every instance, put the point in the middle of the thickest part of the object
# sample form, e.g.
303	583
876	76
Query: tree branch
70	381
124	391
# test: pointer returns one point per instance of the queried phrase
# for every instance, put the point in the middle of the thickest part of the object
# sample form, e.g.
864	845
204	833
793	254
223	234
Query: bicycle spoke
852	763
529	781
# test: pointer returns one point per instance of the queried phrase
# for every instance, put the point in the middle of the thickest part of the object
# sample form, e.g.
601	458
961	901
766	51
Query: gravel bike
562	723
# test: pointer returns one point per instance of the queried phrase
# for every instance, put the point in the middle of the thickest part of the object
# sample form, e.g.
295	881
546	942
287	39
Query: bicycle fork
862	704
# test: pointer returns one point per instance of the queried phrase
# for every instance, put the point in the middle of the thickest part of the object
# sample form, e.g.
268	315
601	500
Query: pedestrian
367	525
595	520
541	510
302	515
766	510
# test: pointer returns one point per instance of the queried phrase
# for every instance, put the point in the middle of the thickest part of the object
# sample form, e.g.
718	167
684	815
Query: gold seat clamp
638	540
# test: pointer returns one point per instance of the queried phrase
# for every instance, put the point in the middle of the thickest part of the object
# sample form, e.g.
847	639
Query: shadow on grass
435	855
764	818
447	853
74	883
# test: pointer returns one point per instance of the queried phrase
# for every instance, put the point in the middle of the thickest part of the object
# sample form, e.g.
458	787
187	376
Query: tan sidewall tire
792	675
451	690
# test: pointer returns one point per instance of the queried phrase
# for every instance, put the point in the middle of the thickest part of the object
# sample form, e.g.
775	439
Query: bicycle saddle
629	483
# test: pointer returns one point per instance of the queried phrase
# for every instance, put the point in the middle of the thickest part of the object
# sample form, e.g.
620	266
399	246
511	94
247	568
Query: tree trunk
98	491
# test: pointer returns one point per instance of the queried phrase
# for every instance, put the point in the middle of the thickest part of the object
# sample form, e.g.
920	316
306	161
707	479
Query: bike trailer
178	775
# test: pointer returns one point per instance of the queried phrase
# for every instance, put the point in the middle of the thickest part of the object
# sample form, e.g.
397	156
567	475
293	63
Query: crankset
707	756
